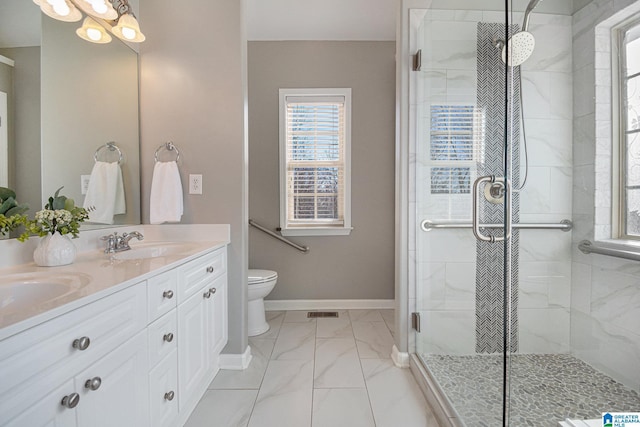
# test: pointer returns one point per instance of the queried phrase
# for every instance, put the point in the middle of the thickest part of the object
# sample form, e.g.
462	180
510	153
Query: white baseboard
400	358
236	362
329	304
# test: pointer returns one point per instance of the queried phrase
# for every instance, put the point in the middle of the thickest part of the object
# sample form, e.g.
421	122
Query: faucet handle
111	243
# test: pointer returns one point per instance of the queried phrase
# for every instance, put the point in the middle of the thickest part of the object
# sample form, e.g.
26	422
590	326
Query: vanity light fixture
62	10
114	15
93	32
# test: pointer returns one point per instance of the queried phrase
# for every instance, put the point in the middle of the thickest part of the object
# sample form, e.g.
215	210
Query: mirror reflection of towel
105	194
165	204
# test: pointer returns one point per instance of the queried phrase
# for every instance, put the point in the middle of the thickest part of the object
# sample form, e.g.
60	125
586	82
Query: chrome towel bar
304	249
588	247
564	225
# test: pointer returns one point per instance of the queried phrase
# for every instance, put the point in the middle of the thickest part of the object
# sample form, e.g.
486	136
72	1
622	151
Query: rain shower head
520	46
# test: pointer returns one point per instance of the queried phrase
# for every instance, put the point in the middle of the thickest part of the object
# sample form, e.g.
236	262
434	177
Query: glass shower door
464	101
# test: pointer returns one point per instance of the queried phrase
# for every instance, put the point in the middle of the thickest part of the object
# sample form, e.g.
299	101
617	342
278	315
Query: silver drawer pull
168	337
210	269
167	294
207	294
213	290
169	396
81	343
93	384
71	401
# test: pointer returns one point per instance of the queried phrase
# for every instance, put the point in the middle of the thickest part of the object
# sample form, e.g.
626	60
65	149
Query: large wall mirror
66	98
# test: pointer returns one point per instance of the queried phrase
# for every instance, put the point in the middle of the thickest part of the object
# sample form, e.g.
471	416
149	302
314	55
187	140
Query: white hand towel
166	204
105	194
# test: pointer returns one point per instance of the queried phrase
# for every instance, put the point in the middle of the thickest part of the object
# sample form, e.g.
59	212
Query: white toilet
261	282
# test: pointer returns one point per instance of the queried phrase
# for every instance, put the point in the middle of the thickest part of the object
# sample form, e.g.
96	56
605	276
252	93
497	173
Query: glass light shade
128	29
93	32
98	8
62	10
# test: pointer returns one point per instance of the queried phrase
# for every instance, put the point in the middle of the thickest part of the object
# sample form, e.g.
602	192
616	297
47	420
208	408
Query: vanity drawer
163	392
162	294
162	337
48	349
193	275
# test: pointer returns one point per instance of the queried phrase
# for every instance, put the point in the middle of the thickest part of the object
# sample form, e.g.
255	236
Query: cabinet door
217	314
192	345
163	392
120	395
43	410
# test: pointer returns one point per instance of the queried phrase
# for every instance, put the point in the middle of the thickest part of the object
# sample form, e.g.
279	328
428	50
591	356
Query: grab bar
588	247
564	225
304	249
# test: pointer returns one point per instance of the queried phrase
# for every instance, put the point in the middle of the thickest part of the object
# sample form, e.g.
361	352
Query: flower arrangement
60	215
11	212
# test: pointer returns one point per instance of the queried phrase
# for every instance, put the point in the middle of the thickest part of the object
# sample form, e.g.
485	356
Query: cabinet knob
93	383
167	294
71	401
81	343
213	290
169	395
207	294
168	337
210	269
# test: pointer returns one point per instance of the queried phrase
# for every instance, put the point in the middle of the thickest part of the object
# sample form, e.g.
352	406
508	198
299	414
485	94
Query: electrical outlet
84	183
195	184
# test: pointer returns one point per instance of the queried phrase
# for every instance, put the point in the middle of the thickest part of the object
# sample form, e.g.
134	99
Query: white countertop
95	275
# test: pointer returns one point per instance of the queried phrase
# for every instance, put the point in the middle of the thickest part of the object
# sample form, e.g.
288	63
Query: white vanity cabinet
201	289
139	357
44	370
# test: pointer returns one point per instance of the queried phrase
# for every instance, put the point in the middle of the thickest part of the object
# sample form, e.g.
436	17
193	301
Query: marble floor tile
365	316
296	341
229	408
341	407
298	316
396	399
390	319
285	398
274	319
373	339
250	378
337	364
332	327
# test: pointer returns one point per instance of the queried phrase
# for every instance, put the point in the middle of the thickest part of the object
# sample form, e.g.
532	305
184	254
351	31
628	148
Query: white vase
54	250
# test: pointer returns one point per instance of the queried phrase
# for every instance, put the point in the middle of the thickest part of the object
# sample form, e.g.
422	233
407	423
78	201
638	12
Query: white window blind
314	150
456	138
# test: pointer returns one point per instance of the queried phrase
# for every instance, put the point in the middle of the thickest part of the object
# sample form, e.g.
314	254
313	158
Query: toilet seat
257	277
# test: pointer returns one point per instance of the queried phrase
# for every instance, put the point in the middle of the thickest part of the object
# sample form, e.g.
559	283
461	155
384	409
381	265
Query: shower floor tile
545	389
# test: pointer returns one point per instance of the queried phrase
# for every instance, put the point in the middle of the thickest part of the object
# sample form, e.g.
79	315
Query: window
454	140
629	116
315	133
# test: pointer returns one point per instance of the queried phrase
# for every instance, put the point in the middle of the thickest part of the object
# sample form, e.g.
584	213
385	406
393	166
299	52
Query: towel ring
112	147
169	146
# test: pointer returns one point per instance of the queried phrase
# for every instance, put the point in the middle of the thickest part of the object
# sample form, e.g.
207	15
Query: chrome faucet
117	243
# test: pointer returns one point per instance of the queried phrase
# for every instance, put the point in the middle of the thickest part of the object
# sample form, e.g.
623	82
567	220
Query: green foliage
11	212
60	215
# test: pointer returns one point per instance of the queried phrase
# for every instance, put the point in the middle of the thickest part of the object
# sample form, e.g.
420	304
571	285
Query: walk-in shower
507	333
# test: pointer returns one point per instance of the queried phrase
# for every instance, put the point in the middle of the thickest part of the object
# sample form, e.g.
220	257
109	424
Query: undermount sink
154	250
24	291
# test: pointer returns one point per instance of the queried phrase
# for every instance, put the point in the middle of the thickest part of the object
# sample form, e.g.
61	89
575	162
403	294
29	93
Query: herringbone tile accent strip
490	266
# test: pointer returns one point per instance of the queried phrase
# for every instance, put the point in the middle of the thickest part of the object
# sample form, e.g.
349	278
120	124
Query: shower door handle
489	179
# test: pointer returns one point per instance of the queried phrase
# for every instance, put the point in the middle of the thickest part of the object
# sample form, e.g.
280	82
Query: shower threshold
546	389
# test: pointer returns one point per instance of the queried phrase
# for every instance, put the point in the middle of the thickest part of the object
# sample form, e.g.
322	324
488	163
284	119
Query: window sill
317	231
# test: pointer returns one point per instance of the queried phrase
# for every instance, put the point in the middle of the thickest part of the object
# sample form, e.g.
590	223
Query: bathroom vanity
126	339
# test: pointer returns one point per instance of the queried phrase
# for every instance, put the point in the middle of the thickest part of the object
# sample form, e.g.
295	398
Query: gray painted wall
358	266
24	147
193	92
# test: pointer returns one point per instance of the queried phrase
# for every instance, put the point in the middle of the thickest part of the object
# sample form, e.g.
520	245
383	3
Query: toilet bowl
261	282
